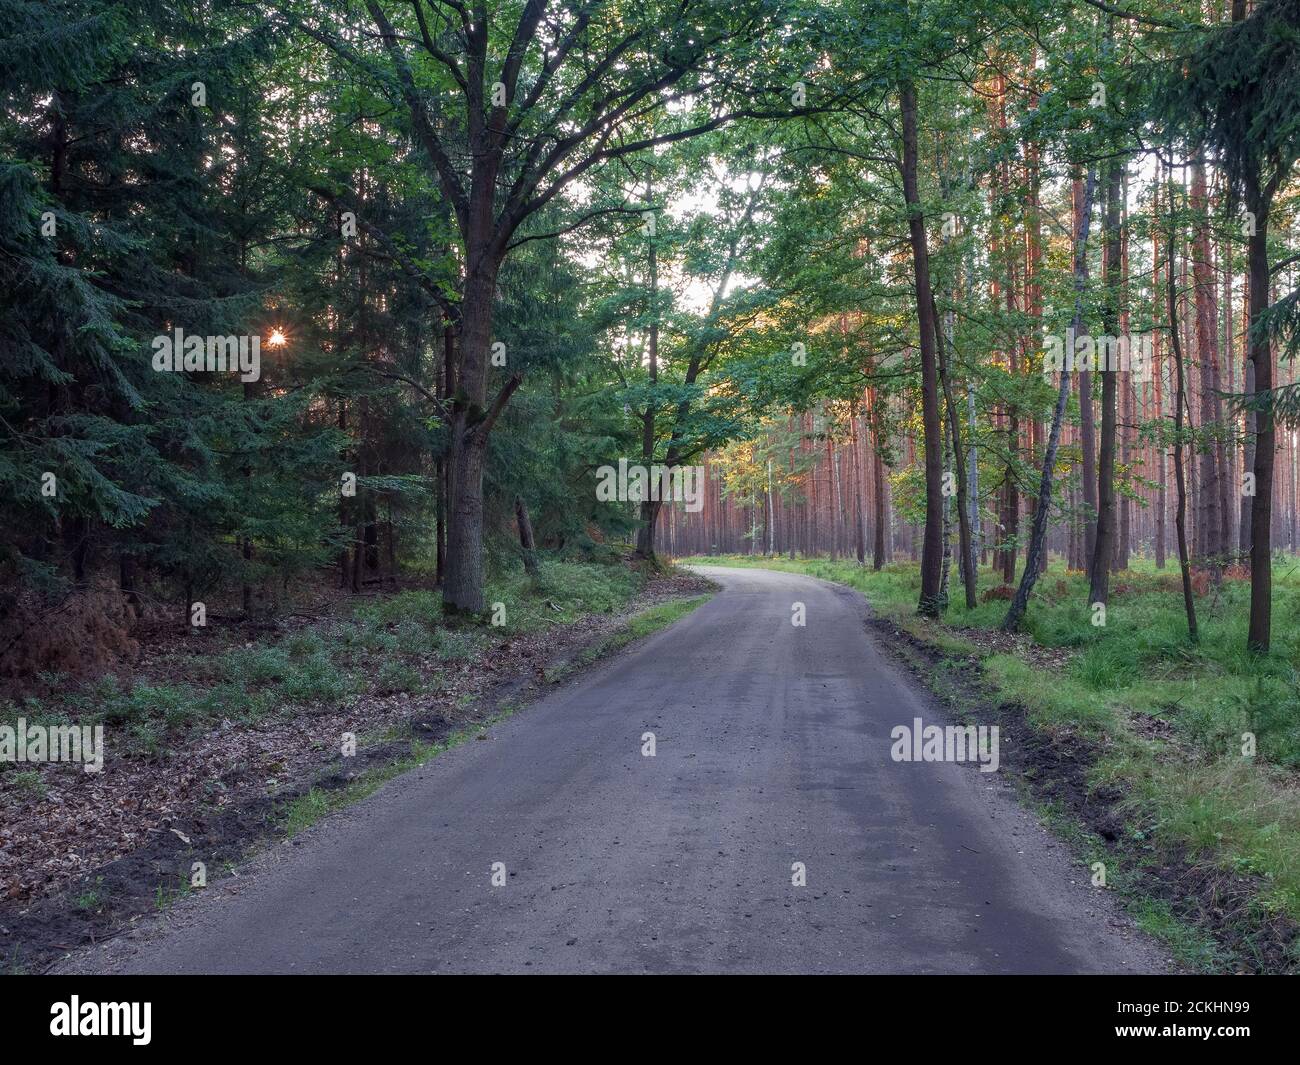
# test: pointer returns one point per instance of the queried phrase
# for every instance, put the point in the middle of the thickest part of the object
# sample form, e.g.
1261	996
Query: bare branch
498	405
576	225
1119	12
432	48
524	32
396	375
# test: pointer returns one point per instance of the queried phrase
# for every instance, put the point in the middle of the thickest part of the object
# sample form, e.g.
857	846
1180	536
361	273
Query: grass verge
317	803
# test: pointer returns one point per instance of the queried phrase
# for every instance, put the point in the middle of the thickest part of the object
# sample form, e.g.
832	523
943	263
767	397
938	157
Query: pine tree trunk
1180	403
1261	359
932	549
1211	521
1099	588
967	557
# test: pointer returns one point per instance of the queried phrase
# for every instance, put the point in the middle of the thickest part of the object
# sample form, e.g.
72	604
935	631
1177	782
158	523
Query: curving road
772	747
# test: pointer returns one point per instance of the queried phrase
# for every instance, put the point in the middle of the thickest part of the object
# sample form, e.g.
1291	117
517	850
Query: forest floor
1134	737
222	739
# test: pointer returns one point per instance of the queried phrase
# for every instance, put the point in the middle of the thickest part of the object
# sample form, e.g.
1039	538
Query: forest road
771	748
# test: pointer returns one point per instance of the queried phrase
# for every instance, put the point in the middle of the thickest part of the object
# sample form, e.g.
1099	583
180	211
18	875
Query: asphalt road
772	747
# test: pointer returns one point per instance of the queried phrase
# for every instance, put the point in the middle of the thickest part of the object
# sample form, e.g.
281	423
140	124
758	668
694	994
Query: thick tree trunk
1180	403
1120	559
448	379
1231	454
1157	377
1126	428
1010	499
1261	360
860	540
1088	443
973	488
344	508
878	541
967	556
246	543
1248	450
1099	587
463	584
1033	290
649	516
932	549
1245	531
1211	517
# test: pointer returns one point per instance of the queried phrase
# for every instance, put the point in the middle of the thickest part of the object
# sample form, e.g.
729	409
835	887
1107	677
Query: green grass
644	623
26	781
92	898
385	645
1052	699
307	809
661	616
1198	794
1190	946
422	606
395	676
563	592
166	896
